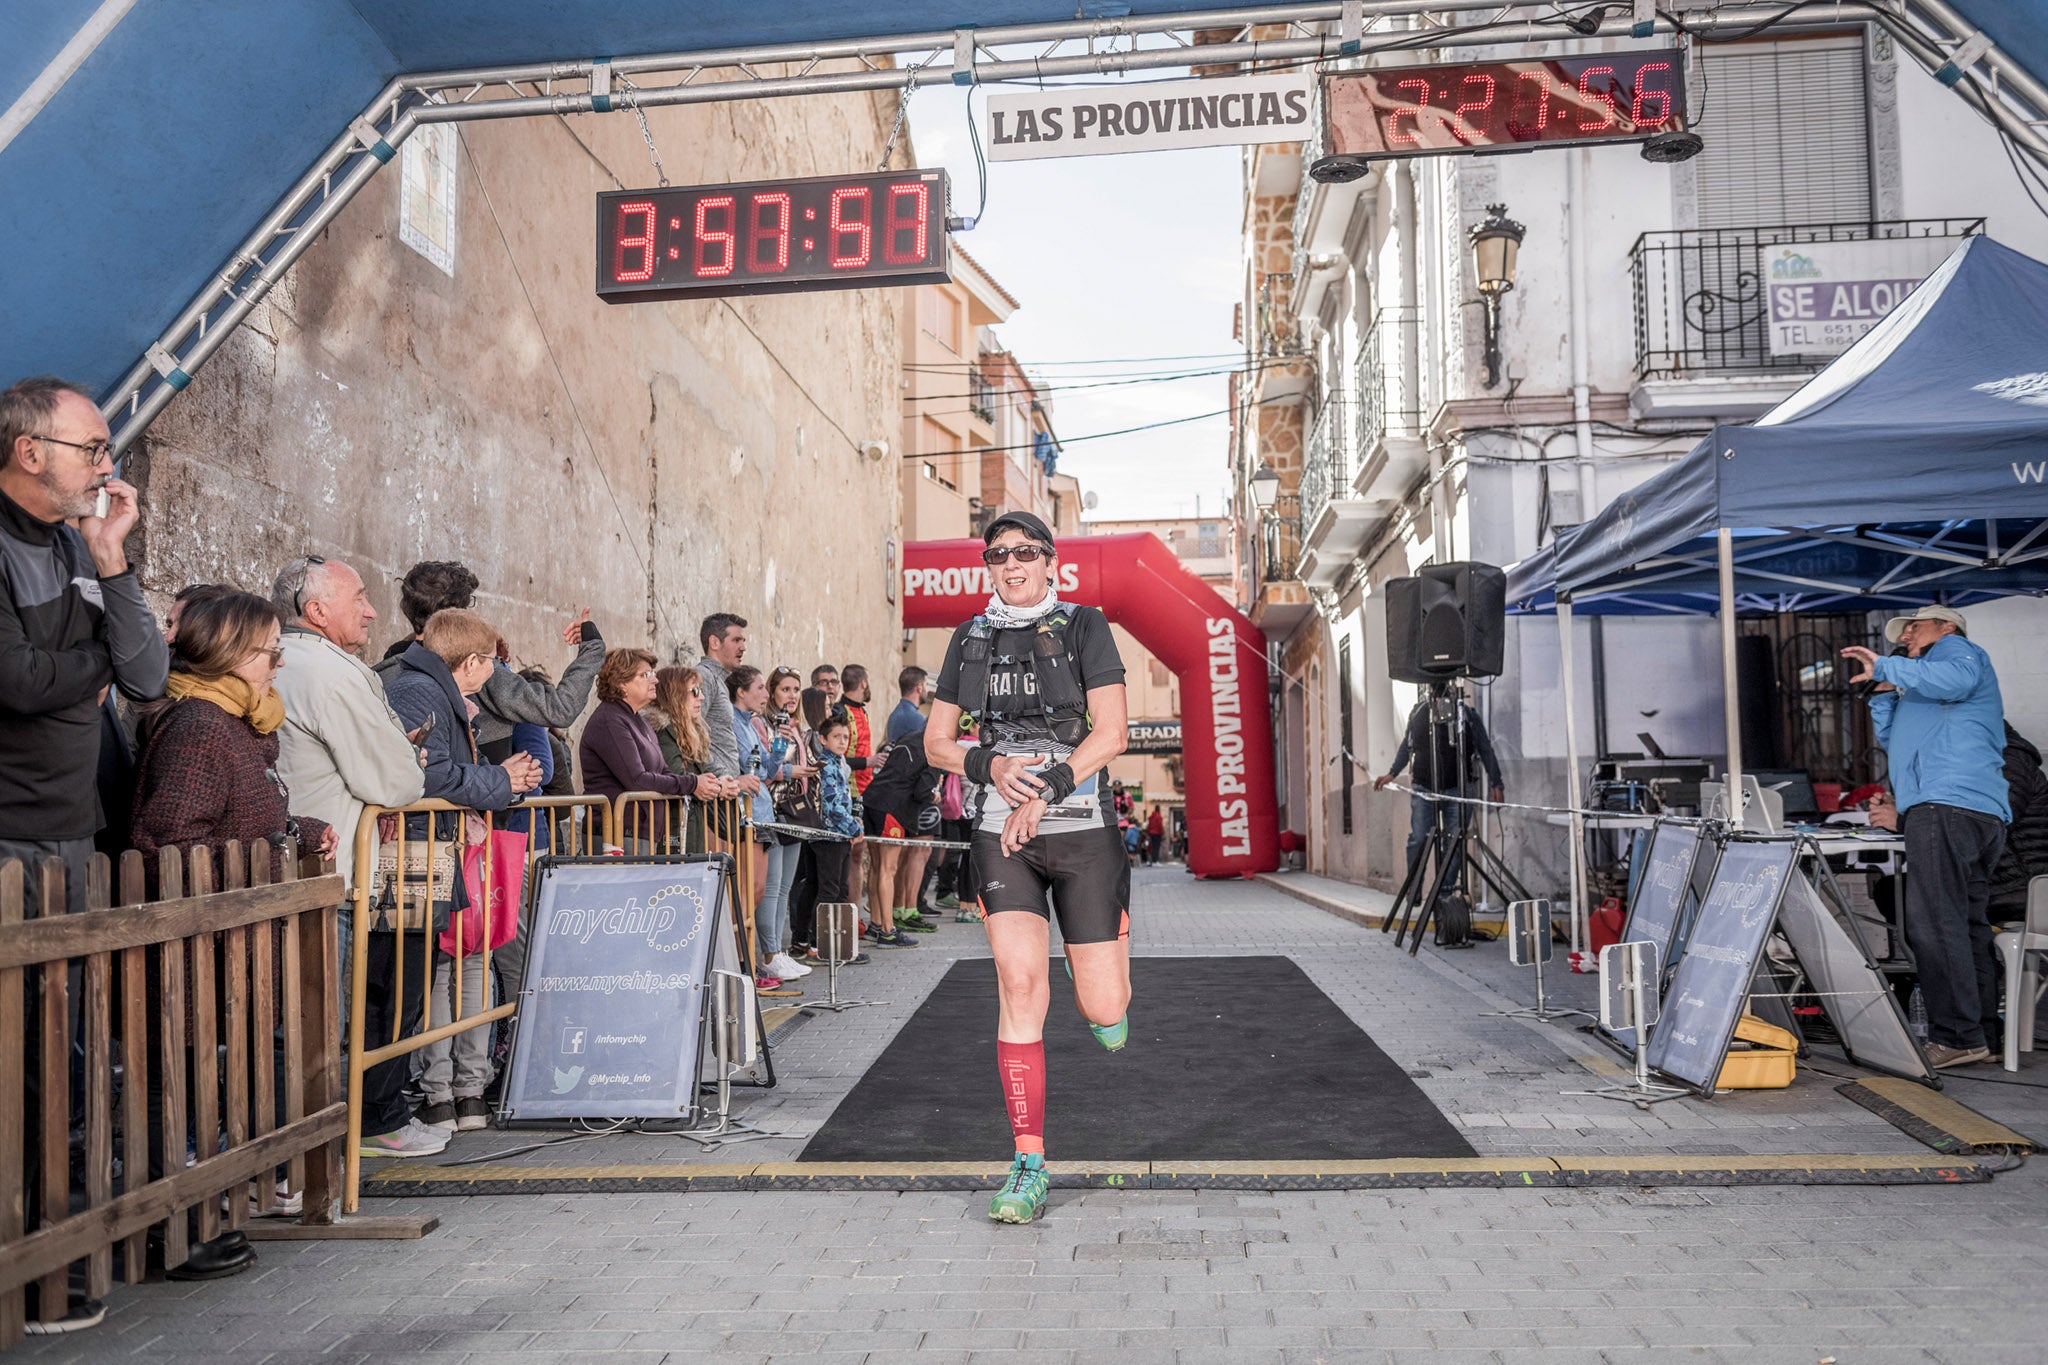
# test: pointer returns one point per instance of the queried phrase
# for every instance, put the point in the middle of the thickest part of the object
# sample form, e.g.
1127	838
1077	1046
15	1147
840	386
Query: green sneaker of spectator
1022	1197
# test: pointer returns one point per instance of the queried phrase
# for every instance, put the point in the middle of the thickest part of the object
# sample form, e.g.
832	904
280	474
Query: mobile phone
419	736
99	503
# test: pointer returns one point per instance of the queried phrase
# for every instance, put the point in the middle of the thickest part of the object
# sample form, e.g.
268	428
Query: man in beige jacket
342	749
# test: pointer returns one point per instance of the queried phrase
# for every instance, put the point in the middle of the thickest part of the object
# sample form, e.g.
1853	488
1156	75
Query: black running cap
1023	521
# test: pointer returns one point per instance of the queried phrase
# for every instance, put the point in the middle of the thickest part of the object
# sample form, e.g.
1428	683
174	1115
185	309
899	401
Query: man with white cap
1941	721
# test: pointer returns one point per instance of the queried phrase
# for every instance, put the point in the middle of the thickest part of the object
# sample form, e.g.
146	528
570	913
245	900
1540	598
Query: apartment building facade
1634	323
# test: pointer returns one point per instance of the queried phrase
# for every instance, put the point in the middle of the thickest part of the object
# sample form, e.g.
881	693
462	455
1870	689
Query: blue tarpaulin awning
185	121
141	141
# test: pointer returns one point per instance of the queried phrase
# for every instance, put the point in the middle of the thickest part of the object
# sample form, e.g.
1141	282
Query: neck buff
1003	616
232	695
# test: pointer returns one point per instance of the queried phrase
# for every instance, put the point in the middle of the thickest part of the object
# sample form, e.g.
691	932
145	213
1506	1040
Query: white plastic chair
2023	951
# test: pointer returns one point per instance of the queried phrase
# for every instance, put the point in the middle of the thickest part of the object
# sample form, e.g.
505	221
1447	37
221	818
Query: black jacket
1435	750
907	785
2026	840
65	633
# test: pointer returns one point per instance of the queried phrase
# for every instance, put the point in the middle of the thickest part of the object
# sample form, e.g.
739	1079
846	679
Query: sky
1112	259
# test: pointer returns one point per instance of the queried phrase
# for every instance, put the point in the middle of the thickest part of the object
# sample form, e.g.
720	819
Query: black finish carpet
1230	1059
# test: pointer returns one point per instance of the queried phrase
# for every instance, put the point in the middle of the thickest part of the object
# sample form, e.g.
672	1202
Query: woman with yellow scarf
208	772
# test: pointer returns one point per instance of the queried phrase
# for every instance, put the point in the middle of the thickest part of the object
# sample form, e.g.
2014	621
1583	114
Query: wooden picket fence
251	966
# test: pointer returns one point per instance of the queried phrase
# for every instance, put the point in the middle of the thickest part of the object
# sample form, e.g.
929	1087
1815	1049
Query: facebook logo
573	1039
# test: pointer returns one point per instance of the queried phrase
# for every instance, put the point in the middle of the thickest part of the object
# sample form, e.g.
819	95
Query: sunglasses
298	597
1023	554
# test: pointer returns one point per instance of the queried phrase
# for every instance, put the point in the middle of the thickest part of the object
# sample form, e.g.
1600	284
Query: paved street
1859	1274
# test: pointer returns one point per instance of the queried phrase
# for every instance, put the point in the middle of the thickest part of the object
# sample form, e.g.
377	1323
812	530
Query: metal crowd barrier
233	977
398	883
650	822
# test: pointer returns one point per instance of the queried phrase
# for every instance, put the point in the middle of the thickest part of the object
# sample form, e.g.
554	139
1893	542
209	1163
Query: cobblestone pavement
1859	1274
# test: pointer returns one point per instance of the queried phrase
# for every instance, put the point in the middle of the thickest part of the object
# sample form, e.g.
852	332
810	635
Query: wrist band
976	765
1059	783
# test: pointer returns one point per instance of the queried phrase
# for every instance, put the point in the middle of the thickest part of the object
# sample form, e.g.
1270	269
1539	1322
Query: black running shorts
1086	873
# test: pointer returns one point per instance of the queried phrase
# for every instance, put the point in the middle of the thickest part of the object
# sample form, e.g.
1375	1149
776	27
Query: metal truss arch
2004	92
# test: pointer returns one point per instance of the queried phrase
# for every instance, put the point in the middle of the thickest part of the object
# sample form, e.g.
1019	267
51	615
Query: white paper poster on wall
1824	295
1149	116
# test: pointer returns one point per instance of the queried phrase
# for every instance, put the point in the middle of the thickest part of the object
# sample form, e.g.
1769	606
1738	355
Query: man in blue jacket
1942	724
437	676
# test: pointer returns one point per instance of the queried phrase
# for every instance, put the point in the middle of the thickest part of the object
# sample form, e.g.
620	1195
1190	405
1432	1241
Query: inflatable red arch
1220	656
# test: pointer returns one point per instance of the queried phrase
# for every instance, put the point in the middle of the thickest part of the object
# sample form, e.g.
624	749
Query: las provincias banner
1148	116
1226	726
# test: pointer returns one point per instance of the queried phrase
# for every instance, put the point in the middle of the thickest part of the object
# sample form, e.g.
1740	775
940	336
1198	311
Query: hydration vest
1052	666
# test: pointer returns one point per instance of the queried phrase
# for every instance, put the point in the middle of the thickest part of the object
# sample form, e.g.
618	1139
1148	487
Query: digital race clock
772	236
1503	106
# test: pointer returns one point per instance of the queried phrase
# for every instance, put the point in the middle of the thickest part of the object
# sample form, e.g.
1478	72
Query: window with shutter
1787	134
1787	137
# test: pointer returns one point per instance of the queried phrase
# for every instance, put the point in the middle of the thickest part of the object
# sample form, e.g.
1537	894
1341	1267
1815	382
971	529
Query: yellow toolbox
1760	1058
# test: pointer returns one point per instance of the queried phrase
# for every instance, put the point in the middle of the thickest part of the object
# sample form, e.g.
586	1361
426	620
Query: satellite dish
1089	501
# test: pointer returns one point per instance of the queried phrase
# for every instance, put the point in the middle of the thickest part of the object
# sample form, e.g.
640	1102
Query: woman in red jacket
208	771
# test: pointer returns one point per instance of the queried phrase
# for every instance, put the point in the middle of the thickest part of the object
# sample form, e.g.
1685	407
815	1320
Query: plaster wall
654	462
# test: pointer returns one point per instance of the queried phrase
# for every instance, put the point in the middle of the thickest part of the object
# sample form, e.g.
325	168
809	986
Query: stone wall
654	462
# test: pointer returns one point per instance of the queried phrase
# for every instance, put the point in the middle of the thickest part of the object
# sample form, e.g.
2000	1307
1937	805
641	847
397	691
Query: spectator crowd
253	717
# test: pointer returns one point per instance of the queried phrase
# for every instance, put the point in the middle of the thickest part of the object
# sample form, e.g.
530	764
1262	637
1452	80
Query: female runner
1045	682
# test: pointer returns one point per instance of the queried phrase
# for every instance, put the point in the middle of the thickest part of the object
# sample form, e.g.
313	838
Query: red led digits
1638	110
1482	131
899	220
1529	111
1397	138
1597	99
641	241
706	238
772	237
839	227
770	225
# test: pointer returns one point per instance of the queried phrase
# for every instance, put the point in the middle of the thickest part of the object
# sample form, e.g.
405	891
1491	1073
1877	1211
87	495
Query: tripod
1452	845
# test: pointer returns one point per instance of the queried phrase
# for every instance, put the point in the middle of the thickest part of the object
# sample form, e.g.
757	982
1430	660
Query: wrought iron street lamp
1495	244
1265	486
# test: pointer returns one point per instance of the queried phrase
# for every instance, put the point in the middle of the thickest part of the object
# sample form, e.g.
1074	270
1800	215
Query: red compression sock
1022	1069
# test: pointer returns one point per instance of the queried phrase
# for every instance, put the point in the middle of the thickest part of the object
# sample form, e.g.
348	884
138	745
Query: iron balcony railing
1309	190
1389	378
1700	300
1278	335
981	395
1330	463
1280	540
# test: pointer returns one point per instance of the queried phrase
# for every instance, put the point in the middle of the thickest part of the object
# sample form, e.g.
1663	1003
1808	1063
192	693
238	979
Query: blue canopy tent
1913	469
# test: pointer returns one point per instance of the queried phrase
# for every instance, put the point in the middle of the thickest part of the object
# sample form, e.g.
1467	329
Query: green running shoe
910	918
1112	1036
1022	1197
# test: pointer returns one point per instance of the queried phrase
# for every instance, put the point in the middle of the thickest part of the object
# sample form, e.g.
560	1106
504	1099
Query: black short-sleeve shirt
1012	683
1014	717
